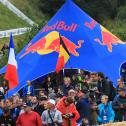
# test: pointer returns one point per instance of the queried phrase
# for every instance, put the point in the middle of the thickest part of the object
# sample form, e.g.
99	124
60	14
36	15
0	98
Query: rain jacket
68	109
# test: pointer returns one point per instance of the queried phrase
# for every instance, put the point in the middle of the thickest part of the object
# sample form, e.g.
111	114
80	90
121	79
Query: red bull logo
91	24
51	43
60	25
108	39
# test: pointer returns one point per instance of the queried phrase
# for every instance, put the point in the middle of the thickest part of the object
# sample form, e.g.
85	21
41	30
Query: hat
121	89
71	91
52	101
27	104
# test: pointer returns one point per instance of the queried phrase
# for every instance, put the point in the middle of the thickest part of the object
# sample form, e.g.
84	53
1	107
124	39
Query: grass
16	39
30	8
8	20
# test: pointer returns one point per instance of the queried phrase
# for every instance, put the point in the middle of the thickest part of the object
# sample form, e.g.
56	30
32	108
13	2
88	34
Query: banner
14	32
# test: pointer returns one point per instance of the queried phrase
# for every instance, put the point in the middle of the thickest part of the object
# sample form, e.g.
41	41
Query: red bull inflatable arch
71	39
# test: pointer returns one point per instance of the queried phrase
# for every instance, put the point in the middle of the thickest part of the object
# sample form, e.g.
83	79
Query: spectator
1	108
1	93
6	119
74	81
52	116
103	84
119	105
5	86
48	84
69	113
93	82
4	48
66	86
41	93
93	110
81	78
119	84
34	102
105	111
83	106
72	93
29	117
28	90
42	101
8	103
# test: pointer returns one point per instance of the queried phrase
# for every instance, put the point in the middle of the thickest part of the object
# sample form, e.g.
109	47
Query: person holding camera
119	104
51	116
68	110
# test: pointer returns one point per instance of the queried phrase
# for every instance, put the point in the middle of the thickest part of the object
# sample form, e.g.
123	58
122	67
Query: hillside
31	9
8	20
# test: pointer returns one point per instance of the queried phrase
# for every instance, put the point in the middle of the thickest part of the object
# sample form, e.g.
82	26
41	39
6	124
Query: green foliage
50	7
117	27
122	13
9	20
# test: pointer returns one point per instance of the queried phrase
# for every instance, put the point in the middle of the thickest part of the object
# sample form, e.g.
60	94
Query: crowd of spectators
80	100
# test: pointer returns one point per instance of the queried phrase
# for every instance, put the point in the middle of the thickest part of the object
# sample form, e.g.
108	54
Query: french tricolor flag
11	72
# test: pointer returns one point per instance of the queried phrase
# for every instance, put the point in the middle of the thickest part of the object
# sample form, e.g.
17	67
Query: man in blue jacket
105	111
28	89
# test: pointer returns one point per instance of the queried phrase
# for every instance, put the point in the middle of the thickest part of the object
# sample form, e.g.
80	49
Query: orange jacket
68	109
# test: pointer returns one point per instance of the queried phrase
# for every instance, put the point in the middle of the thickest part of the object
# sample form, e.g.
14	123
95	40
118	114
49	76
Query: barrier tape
18	31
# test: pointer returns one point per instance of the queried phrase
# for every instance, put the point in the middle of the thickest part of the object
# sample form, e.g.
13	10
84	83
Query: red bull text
60	25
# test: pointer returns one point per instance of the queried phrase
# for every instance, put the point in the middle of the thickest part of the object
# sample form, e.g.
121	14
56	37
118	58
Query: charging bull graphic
54	42
108	39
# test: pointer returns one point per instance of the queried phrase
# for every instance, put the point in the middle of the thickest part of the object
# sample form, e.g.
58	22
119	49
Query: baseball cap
52	101
27	104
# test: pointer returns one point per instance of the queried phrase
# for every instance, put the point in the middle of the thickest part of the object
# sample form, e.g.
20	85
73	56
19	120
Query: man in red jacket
69	113
29	117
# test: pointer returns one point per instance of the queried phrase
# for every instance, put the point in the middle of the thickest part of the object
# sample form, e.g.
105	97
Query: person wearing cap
72	94
105	112
29	117
28	89
6	119
52	116
68	109
119	104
